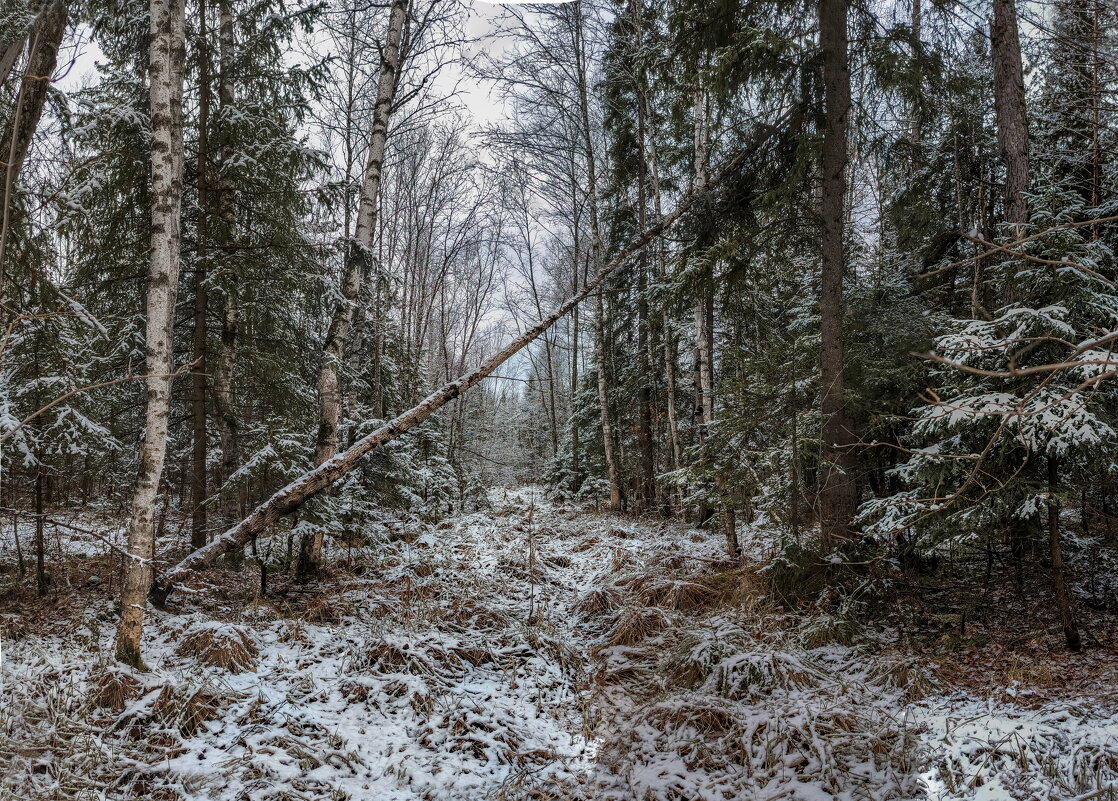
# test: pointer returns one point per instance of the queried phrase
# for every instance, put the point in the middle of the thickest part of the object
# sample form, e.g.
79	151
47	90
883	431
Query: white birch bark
165	71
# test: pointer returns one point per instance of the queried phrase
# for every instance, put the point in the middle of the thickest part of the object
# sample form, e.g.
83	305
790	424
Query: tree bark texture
165	71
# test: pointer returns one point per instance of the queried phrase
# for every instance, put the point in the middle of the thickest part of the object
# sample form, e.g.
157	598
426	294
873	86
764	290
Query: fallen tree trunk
302	489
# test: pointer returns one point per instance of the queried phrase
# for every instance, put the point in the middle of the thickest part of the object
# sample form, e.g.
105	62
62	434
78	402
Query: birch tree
357	259
165	74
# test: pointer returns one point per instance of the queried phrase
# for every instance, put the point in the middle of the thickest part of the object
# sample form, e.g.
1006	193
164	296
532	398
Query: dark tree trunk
1060	590
199	477
837	491
1009	109
41	582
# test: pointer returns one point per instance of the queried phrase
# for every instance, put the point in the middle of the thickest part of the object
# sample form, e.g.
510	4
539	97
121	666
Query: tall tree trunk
616	497
359	252
13	43
1060	590
703	350
644	362
298	492
916	24
199	477
224	390
837	491
165	70
46	38
669	341
1009	110
357	264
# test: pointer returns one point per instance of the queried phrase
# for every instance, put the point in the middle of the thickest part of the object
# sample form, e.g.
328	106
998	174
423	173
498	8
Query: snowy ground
528	652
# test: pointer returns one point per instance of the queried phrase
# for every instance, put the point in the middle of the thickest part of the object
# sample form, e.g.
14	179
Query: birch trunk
295	494
165	70
359	253
837	492
358	258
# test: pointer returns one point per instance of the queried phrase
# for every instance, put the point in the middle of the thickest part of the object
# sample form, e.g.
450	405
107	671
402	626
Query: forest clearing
536	651
638	400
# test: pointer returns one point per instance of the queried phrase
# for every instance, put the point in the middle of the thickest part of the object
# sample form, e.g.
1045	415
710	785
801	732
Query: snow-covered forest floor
530	651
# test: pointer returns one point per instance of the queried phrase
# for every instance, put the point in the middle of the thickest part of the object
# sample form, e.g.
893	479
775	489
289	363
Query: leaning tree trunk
1010	111
165	70
11	45
46	38
837	492
358	257
298	492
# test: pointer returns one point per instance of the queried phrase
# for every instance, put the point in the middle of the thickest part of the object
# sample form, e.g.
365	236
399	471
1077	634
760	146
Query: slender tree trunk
224	390
644	321
616	497
12	45
357	264
1060	590
837	491
359	252
1009	110
702	358
41	582
199	474
916	23
298	492
46	38
166	62
669	341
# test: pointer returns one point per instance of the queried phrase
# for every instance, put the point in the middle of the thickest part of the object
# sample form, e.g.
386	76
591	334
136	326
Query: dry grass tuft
586	544
184	709
634	625
703	715
220	645
419	659
328	610
112	688
680	595
475	655
739	587
598	602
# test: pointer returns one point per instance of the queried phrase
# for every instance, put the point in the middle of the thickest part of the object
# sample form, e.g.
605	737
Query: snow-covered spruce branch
186	368
298	492
1012	246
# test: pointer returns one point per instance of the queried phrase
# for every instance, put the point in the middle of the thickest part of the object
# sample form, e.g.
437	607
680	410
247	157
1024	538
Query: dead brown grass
184	709
226	647
636	624
598	602
112	688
